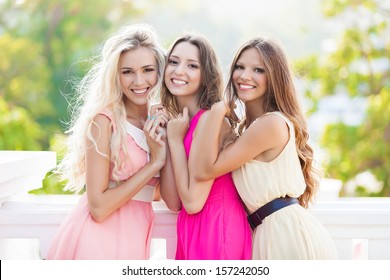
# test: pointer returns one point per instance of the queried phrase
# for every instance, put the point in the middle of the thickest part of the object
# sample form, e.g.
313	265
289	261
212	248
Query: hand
157	147
160	117
159	113
177	127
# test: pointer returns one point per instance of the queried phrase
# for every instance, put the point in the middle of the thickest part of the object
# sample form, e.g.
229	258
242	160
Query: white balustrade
360	227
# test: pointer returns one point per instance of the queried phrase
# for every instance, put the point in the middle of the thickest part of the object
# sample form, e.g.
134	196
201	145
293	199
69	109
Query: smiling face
138	74
183	71
249	77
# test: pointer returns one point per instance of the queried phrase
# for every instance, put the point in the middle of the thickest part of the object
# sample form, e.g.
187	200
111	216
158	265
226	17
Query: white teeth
179	82
246	87
139	91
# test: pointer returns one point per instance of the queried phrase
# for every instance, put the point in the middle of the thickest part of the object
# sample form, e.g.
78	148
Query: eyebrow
193	60
146	66
255	65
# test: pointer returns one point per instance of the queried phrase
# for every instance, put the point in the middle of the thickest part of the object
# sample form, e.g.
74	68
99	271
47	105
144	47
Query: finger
155	108
159	138
162	119
152	131
161	113
165	120
148	125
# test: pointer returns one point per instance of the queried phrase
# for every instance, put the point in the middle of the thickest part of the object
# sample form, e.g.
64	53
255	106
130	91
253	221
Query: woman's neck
191	103
136	114
253	111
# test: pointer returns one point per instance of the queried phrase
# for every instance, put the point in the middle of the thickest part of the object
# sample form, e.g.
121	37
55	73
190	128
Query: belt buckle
253	226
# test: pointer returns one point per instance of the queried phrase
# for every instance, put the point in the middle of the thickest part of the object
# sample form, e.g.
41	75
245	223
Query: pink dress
126	233
220	231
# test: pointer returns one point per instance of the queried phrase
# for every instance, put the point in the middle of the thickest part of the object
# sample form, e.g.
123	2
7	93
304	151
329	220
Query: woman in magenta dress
116	152
212	224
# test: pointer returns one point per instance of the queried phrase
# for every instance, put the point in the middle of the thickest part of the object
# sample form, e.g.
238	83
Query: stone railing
360	227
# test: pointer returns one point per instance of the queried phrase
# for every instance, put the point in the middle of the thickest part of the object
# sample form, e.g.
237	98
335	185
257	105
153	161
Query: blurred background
340	50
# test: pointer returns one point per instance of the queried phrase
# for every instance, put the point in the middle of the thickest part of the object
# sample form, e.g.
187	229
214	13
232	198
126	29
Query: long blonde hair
100	90
281	96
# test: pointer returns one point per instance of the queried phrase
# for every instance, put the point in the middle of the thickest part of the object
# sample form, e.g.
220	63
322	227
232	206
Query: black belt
258	216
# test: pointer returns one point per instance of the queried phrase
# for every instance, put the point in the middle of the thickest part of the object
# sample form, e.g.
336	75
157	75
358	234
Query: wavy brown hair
211	88
280	96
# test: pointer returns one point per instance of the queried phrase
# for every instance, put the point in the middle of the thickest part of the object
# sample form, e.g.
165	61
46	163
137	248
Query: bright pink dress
126	233
220	231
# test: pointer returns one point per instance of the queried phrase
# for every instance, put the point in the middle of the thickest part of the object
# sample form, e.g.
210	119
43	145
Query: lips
140	91
178	82
245	86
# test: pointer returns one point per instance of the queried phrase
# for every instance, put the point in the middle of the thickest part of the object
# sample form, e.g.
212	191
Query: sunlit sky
298	25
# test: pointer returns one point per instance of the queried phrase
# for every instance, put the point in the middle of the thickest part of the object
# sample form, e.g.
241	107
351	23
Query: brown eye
259	70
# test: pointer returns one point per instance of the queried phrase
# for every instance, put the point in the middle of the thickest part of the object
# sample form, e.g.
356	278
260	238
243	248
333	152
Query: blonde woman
272	162
115	152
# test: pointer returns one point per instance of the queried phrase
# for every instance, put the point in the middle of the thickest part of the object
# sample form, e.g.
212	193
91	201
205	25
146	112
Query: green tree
17	129
24	75
45	43
44	47
359	66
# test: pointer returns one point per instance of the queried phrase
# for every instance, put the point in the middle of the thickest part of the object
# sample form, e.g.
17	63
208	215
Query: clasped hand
178	126
155	132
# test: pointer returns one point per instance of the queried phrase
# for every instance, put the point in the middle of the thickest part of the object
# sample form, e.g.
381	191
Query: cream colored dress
291	232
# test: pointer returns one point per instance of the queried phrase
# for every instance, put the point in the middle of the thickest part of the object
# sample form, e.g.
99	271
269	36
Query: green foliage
359	65
17	129
44	45
24	75
375	138
340	161
53	184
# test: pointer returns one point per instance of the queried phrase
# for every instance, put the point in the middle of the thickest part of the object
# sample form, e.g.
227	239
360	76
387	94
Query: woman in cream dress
272	162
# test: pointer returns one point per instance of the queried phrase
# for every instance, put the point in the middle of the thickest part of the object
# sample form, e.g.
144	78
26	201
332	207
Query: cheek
197	78
166	73
236	75
124	81
263	81
154	79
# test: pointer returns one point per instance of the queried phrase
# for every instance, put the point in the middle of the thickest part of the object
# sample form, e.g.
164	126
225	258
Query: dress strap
108	114
281	115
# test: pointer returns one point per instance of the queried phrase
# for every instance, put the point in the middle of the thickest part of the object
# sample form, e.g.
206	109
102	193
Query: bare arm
263	140
168	187
193	193
103	201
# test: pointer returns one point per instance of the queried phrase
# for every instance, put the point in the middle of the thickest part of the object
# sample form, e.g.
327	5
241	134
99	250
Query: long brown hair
211	75
281	96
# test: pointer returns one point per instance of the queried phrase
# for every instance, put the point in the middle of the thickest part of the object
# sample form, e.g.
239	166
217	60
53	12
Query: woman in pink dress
116	152
212	224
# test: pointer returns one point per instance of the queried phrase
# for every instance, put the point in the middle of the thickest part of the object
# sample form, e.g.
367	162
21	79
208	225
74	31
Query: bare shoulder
273	125
102	122
101	127
101	119
203	120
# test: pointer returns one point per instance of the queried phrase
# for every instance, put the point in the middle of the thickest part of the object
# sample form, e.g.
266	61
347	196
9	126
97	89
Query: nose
179	69
139	79
245	75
